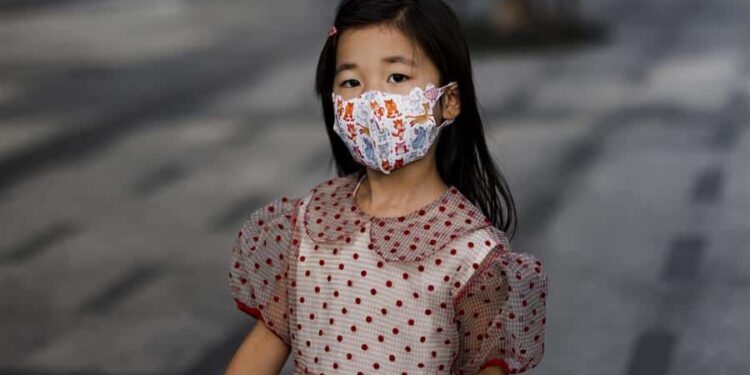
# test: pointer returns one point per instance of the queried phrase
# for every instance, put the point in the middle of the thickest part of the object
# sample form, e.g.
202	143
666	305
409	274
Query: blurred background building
135	137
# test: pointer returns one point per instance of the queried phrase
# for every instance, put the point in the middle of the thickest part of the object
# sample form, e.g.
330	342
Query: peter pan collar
333	216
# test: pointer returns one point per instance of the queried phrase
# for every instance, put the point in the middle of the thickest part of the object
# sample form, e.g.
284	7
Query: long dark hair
463	159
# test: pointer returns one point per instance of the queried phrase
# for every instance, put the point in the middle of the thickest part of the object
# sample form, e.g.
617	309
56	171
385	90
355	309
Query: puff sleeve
258	268
501	314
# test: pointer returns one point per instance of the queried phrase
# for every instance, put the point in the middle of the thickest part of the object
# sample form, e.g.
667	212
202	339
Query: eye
398	77
343	84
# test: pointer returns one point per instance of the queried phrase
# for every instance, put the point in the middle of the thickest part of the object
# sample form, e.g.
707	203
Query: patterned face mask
386	131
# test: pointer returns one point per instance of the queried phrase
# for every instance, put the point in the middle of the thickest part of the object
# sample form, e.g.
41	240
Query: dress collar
333	216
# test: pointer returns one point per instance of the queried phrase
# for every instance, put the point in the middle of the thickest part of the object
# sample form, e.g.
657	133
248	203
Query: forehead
370	44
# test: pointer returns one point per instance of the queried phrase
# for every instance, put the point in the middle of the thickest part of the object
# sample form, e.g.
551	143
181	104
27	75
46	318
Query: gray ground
136	135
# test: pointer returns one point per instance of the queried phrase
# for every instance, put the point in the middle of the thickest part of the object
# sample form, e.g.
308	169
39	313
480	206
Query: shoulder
476	247
480	242
287	206
486	253
280	209
503	301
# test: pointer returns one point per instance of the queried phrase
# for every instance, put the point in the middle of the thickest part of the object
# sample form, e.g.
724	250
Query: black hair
462	157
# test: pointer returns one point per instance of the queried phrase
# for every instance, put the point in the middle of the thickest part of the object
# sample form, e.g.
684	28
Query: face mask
387	131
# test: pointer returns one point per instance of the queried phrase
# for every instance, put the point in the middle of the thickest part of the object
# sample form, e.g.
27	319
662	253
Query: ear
451	102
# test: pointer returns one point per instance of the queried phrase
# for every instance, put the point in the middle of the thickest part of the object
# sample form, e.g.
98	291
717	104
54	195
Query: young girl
401	265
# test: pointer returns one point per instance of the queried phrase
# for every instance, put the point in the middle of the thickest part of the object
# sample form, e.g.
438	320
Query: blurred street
135	137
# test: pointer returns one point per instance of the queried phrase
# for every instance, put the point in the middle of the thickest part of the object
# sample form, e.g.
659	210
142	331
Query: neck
402	191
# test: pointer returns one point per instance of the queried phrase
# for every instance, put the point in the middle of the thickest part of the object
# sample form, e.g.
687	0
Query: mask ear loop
444	124
442	91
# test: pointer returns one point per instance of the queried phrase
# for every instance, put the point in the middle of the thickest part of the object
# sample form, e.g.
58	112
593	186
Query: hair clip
333	31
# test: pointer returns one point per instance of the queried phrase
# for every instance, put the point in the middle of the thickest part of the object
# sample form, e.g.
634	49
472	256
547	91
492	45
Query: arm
501	314
261	353
265	238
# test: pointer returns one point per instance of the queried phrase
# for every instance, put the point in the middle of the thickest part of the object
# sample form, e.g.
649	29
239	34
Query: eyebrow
390	59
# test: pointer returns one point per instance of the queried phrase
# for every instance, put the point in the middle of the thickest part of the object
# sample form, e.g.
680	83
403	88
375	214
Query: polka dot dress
437	291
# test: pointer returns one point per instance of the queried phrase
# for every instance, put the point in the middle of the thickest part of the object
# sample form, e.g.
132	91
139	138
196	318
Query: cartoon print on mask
401	148
399	125
339	107
412	102
364	130
376	109
369	150
349	113
423	117
351	131
357	151
392	108
431	93
420	138
383	150
362	111
373	125
376	123
385	165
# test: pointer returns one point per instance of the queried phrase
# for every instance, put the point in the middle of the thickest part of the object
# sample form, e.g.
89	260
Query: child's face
381	58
